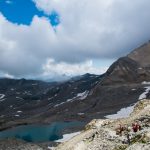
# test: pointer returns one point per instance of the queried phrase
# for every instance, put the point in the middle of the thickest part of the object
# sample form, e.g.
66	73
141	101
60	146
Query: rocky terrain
101	134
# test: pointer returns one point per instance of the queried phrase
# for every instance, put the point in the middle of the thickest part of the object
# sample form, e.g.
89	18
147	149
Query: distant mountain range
80	98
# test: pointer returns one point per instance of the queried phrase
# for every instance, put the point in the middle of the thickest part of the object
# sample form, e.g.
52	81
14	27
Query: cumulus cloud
63	68
21	47
88	30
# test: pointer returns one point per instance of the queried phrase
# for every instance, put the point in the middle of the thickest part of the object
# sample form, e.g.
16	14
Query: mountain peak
135	67
141	55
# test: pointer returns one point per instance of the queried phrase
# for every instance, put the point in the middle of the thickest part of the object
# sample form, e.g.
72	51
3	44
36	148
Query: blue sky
22	12
49	38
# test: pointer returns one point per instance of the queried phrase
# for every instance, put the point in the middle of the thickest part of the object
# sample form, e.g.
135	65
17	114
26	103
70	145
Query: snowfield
2	97
67	137
146	83
19	111
143	95
83	95
122	113
59	104
125	112
80	96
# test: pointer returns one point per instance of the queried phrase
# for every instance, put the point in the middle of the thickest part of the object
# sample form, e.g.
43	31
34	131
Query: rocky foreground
101	134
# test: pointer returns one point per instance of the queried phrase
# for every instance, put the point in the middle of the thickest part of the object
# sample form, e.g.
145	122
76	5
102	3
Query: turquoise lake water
39	133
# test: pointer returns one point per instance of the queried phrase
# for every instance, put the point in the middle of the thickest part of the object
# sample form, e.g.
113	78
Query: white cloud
100	29
53	68
8	76
24	48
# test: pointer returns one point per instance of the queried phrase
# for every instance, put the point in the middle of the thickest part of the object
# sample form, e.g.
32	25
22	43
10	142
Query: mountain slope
141	55
119	87
29	101
134	68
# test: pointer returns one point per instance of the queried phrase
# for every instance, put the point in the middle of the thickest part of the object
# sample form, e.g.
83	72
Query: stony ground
101	134
13	144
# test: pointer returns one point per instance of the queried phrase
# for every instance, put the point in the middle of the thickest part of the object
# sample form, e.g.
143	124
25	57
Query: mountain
134	68
26	101
122	84
141	55
81	98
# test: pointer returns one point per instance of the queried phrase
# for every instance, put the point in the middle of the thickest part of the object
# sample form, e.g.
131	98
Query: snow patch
146	83
69	100
125	112
67	137
83	95
50	148
144	95
59	104
122	113
80	96
2	96
19	111
50	98
133	89
19	98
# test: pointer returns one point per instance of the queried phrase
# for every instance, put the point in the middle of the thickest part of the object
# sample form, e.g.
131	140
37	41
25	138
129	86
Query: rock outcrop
101	134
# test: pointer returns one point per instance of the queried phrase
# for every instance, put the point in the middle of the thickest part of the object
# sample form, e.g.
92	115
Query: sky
54	38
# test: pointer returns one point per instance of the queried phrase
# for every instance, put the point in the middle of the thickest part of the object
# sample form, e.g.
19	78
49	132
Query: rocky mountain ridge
133	68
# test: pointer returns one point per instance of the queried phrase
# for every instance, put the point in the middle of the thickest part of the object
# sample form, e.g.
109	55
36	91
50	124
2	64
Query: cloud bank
88	31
